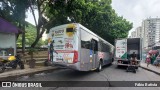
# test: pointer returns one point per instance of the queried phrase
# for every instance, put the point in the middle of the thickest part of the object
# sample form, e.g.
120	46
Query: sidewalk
151	68
20	72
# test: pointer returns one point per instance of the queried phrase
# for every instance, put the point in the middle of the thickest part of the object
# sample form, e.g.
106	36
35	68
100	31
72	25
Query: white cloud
29	17
137	10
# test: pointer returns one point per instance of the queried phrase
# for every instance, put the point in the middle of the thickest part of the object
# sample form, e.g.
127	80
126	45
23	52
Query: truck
124	48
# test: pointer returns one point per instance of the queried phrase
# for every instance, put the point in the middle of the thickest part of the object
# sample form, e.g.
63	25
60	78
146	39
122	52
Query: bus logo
6	84
59	32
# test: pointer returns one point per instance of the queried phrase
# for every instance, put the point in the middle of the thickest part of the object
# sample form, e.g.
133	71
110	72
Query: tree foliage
30	35
14	11
96	15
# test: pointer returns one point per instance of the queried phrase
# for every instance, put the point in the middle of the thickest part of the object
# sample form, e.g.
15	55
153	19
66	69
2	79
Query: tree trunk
32	61
23	39
35	42
38	37
31	55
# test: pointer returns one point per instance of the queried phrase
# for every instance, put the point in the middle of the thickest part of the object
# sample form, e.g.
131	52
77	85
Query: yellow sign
70	33
71	26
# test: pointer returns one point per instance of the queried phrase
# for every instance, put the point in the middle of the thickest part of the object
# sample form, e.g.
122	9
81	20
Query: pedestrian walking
51	51
157	61
133	58
153	58
148	59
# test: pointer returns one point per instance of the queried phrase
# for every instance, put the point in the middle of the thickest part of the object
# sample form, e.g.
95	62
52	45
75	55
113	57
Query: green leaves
30	37
97	15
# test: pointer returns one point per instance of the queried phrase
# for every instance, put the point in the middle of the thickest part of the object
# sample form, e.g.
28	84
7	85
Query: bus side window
85	44
94	45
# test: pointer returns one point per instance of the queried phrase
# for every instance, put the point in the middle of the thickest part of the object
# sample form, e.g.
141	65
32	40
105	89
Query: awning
7	27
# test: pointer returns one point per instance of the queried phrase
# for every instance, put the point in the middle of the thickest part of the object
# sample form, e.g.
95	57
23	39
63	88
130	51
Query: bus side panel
106	58
79	47
105	52
85	59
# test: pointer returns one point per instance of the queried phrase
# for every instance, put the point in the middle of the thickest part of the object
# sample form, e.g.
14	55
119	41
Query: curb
150	70
16	75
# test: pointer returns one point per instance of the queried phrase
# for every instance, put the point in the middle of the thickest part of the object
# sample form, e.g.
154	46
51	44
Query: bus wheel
99	67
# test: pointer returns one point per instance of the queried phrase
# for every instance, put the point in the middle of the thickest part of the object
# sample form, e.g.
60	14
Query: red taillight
75	59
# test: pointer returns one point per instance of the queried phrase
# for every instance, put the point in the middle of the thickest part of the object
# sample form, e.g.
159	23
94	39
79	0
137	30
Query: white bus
76	47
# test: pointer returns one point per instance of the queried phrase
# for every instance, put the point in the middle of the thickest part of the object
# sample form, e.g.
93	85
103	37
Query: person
157	61
51	51
133	58
153	58
148	59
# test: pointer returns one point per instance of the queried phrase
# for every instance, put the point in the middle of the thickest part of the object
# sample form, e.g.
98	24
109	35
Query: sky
137	10
133	10
29	17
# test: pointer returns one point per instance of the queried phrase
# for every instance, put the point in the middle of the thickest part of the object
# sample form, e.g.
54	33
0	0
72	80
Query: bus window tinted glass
85	39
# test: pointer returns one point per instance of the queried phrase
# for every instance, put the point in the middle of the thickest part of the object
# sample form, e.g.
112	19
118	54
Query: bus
76	47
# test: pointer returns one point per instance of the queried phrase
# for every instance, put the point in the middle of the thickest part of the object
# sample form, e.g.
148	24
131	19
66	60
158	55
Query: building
138	32
133	34
150	32
8	38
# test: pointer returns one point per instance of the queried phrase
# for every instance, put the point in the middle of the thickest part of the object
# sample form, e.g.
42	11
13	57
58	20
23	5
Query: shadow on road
121	67
65	74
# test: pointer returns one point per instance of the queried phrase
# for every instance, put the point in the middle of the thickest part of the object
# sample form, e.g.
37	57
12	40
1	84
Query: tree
14	11
96	15
14	8
30	36
40	6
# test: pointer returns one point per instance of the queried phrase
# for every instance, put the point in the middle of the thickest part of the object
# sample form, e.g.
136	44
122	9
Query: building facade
138	32
150	32
133	34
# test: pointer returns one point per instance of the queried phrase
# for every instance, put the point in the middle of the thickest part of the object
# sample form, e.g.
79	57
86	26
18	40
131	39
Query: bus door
93	53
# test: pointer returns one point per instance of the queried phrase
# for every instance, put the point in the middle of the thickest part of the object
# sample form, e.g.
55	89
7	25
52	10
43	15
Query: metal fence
19	49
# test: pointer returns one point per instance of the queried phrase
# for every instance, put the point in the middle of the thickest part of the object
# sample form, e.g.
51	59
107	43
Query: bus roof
78	24
94	34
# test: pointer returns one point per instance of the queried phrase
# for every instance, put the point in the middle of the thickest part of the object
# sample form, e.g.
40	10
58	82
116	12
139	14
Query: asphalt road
109	73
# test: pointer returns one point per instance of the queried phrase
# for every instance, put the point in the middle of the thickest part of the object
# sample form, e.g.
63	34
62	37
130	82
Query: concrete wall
8	41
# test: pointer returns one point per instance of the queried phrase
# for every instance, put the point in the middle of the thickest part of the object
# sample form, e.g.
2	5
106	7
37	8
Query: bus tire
99	66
